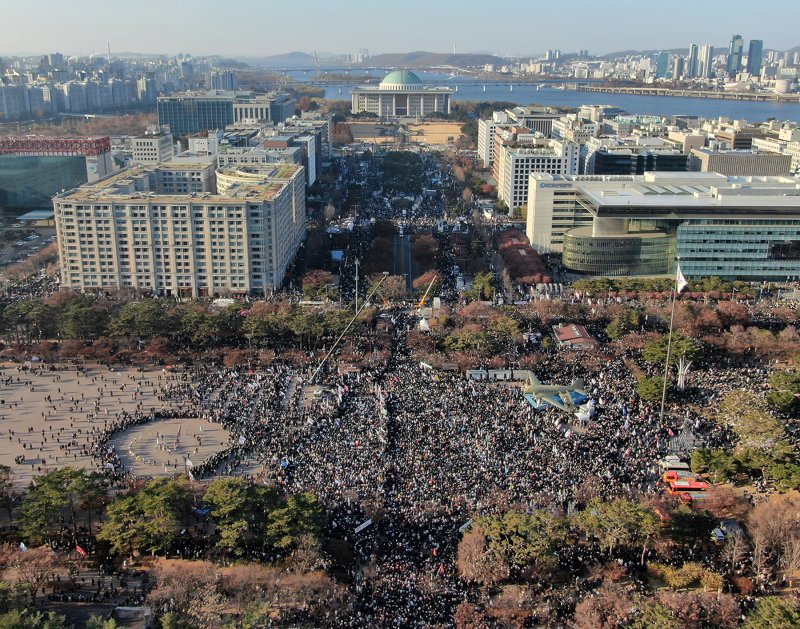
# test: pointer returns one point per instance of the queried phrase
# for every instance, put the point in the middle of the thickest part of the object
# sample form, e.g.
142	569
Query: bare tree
474	561
774	527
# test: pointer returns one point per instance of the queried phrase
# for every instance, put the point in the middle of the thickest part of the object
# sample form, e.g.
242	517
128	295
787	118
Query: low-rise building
154	147
401	94
750	162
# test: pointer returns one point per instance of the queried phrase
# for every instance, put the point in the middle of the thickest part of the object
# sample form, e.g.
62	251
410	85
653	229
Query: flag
80	551
680	280
23	548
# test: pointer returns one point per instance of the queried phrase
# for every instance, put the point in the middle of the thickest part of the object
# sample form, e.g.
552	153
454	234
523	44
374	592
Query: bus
684	485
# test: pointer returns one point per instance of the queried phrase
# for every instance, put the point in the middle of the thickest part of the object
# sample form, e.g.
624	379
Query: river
523	94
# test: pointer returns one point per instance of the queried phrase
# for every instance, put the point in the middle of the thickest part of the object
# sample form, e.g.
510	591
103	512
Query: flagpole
669	346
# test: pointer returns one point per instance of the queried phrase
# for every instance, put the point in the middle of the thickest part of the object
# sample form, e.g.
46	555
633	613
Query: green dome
401	77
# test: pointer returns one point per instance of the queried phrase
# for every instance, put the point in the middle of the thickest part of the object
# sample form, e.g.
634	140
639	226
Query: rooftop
401	77
679	192
264	186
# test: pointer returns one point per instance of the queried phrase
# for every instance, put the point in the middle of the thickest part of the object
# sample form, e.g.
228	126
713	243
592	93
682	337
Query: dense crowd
414	453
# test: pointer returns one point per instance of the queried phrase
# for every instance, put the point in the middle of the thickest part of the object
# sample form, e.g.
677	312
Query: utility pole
341	336
356	284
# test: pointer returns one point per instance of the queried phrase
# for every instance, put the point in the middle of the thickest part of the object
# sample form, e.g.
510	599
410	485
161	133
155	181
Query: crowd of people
407	455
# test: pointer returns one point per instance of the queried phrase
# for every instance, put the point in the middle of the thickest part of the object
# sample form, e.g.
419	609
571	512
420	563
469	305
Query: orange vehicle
684	485
671	475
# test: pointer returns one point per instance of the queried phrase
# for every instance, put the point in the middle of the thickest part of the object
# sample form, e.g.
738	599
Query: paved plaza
49	419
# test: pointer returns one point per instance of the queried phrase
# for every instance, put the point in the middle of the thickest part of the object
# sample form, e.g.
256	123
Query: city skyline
159	28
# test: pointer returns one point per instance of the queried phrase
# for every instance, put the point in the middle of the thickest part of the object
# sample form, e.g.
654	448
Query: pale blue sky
509	27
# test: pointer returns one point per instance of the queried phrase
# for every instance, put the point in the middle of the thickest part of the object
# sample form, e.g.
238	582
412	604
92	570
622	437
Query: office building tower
190	113
513	165
754	57
33	168
735	52
164	229
55	60
692	61
662	64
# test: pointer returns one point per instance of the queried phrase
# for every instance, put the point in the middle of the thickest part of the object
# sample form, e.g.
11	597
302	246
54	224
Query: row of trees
87	318
245	519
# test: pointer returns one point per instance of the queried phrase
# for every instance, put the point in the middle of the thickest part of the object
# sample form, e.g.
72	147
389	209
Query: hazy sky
509	27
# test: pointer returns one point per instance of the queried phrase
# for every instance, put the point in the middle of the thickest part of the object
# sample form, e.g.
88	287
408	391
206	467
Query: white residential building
133	230
486	131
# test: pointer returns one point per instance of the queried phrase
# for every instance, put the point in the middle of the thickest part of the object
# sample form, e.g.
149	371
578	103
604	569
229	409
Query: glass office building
745	228
189	114
645	253
745	249
29	182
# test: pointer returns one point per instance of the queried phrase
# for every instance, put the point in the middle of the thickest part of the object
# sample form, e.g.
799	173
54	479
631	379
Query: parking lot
19	241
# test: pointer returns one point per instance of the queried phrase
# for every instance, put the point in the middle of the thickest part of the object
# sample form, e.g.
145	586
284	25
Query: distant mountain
288	60
421	59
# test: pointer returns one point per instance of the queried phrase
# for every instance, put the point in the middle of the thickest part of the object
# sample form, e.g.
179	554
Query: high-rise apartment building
705	61
222	80
754	57
678	68
163	229
735	52
692	61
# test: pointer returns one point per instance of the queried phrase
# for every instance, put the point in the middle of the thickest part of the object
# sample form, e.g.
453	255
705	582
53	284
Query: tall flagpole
669	345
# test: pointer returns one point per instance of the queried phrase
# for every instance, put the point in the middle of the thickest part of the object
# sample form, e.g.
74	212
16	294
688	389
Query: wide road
403	261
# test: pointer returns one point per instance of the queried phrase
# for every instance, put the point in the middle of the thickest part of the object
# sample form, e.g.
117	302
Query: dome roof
401	77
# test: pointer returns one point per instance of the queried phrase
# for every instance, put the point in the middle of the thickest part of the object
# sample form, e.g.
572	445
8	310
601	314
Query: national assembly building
401	94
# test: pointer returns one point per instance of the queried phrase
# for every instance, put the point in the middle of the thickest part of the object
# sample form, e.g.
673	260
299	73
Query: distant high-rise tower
735	55
691	61
662	64
678	68
754	56
222	80
705	60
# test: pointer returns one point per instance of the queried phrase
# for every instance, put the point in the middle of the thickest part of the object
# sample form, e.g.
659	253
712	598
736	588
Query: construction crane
422	301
